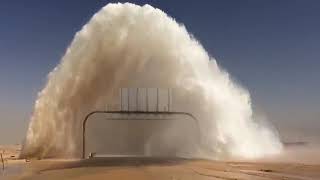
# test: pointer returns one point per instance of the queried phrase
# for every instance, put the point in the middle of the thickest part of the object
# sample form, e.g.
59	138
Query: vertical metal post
120	99
83	141
128	99
2	161
147	100
137	100
157	99
168	100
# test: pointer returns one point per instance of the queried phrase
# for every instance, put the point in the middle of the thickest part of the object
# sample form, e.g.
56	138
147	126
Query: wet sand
144	168
159	168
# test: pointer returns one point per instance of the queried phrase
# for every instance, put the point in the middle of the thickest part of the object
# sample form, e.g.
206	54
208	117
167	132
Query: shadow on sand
116	162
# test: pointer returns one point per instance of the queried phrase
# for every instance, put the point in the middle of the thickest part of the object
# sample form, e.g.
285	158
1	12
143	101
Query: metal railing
158	116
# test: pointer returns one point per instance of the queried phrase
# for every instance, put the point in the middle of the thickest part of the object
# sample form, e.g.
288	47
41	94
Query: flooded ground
157	168
296	164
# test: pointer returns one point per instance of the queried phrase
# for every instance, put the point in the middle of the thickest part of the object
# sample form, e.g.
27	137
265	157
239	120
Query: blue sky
271	47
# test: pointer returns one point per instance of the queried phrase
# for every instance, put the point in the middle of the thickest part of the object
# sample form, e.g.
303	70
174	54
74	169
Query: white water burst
125	45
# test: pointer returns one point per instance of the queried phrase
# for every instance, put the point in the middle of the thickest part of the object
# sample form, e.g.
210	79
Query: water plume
126	45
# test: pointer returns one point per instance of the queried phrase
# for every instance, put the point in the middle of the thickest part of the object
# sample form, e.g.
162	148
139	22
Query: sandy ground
138	168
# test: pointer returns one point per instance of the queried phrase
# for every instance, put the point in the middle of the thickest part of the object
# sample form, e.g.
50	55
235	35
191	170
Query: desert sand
138	168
